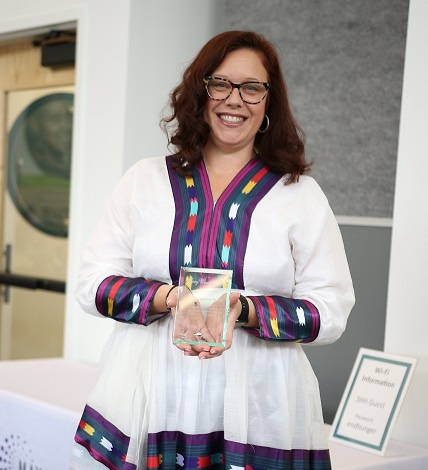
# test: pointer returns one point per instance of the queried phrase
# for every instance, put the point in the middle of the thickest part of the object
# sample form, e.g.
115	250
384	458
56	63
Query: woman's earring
267	125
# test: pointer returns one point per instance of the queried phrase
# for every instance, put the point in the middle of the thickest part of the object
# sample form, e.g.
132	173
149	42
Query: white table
41	402
398	456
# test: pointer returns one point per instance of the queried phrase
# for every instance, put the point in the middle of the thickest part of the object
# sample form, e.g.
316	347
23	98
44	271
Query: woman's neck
223	167
222	162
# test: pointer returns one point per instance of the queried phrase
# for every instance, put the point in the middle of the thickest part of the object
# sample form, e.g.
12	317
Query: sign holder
372	400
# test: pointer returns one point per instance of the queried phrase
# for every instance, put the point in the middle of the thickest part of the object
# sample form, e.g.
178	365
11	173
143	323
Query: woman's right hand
203	350
190	324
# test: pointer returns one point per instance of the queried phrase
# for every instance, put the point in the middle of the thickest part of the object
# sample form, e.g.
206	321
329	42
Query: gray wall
343	62
368	250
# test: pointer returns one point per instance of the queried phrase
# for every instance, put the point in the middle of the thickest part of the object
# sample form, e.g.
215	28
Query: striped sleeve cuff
127	299
286	319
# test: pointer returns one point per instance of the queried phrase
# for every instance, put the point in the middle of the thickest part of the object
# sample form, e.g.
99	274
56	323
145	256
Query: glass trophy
202	309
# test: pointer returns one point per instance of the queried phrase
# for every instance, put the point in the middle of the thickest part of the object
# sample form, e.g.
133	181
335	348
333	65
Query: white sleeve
322	273
109	251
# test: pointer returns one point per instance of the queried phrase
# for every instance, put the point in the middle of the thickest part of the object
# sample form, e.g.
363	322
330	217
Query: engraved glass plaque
202	309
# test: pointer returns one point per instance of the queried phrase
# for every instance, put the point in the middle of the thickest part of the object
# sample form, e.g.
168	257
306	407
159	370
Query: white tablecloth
41	403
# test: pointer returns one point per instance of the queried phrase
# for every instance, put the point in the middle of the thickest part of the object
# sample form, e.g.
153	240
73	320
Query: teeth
228	118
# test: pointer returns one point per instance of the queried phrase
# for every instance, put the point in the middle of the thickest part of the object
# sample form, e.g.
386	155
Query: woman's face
234	123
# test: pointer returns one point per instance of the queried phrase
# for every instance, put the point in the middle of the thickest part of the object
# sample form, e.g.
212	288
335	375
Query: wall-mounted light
58	48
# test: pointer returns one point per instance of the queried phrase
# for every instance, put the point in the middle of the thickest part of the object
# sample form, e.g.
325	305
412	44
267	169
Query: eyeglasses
220	89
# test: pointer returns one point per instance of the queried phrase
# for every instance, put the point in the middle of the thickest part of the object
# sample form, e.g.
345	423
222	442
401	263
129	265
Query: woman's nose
234	97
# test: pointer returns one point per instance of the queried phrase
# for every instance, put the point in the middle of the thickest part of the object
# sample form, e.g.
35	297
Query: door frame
32	25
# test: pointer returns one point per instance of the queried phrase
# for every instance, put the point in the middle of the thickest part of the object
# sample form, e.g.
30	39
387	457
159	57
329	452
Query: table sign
372	400
202	310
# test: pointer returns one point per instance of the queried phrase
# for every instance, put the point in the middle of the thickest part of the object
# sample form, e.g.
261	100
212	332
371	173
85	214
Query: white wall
164	38
129	55
407	312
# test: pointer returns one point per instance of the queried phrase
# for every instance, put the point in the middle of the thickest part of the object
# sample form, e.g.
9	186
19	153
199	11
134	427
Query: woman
234	197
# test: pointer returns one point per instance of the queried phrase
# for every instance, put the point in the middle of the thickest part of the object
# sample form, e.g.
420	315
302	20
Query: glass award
202	308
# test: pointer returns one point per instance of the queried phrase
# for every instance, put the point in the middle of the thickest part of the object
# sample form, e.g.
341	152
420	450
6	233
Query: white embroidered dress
261	392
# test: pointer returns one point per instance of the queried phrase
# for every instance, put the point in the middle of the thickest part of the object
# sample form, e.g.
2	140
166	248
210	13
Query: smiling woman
233	121
280	141
233	197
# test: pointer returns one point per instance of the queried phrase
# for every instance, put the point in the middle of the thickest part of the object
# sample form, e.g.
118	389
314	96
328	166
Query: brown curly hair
281	147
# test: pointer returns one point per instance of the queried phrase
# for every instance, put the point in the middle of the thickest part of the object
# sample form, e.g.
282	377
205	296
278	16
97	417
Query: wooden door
32	191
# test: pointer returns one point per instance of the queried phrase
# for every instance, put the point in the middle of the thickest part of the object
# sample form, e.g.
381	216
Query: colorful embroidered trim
233	212
126	299
170	450
191	223
103	440
215	236
286	319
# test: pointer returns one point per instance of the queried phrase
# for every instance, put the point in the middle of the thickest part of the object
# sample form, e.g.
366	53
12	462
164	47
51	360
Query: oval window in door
39	162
